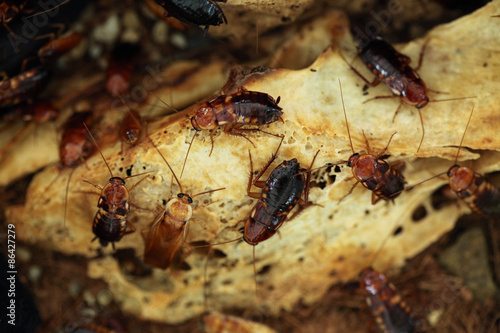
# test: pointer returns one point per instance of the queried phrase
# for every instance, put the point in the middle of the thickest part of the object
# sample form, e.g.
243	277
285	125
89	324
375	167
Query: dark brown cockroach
26	85
38	112
237	110
285	187
110	222
167	234
392	314
199	12
393	68
281	192
121	64
384	180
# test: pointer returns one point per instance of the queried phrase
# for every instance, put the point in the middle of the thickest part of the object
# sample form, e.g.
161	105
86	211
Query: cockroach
393	68
373	172
482	197
237	110
59	46
199	12
166	235
75	147
110	222
391	313
130	129
285	187
281	192
26	85
38	112
121	65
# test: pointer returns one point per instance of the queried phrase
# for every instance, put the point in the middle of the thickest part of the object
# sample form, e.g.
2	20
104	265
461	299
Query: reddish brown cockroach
393	68
121	65
110	222
384	180
391	313
199	12
167	233
25	85
59	46
237	110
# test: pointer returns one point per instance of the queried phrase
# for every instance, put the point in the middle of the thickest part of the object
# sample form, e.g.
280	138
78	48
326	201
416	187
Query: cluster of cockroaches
287	185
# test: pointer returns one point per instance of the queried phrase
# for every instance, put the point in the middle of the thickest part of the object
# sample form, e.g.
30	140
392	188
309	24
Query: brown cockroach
59	46
392	314
373	172
393	68
482	197
167	233
121	64
130	130
237	110
110	222
9	10
26	85
199	12
38	112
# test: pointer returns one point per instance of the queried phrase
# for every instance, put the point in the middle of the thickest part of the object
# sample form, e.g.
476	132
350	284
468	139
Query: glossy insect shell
131	127
377	175
392	314
393	68
244	107
199	12
110	221
25	85
279	196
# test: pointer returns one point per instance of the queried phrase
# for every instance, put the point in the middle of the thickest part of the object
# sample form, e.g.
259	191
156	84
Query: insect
158	11
384	180
482	197
393	68
38	112
391	313
8	11
237	110
199	12
281	192
17	89
285	187
130	130
110	222
121	65
57	47
168	232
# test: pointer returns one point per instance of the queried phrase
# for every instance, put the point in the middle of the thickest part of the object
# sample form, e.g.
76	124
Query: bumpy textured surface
326	244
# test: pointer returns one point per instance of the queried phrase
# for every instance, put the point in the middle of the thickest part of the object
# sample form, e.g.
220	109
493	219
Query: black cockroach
384	180
393	68
167	233
237	110
110	222
24	86
199	12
